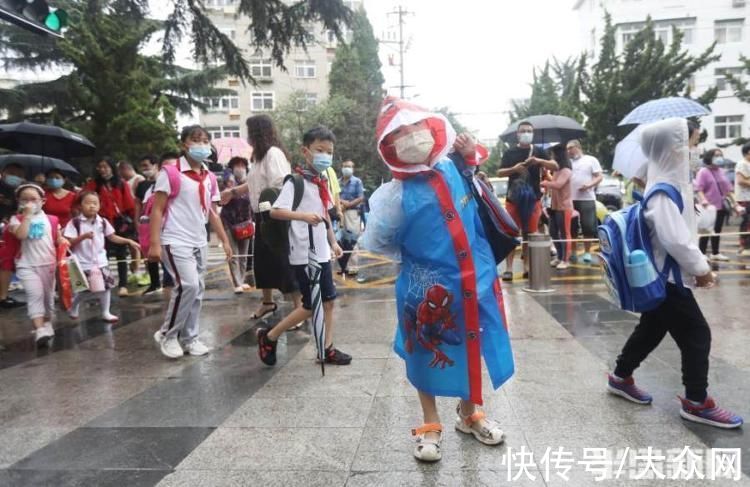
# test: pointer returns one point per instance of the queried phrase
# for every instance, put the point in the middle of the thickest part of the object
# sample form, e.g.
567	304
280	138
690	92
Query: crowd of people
272	218
557	187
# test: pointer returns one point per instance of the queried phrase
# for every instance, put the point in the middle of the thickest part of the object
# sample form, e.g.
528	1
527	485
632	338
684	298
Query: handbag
244	230
727	201
96	280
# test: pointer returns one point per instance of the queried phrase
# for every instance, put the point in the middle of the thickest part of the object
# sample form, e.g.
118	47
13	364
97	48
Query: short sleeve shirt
585	168
513	156
91	253
299	236
352	189
742	193
185	221
35	252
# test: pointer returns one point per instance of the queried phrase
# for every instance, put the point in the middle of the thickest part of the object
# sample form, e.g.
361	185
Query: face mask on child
149	173
322	161
240	173
415	147
199	152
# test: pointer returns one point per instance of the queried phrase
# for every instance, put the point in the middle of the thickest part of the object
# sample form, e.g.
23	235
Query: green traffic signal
56	20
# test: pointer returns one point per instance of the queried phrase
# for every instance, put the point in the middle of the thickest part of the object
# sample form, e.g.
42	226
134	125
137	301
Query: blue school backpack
627	259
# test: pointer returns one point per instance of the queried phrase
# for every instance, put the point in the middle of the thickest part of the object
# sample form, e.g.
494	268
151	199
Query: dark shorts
586	218
327	287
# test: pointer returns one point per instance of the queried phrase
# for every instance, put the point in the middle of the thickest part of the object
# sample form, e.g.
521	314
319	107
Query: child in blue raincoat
450	305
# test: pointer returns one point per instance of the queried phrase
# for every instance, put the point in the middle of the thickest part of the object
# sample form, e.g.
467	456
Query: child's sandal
490	434
428	450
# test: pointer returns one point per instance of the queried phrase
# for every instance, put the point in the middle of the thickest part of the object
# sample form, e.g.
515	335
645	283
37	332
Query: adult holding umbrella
662	109
523	165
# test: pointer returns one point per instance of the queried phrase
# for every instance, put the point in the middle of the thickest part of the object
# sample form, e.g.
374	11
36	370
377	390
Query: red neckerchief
199	177
320	181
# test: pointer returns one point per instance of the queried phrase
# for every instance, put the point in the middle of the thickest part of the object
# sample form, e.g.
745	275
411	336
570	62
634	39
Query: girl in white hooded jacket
675	234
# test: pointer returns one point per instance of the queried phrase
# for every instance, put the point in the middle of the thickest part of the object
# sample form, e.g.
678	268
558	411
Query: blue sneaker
587	258
626	388
709	413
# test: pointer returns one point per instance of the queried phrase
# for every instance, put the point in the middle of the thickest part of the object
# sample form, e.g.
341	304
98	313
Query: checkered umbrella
663	108
316	299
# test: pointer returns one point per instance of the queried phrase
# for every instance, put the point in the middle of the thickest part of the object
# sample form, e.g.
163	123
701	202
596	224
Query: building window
726	31
224	131
721	80
219	3
306	100
262	101
228	31
728	127
304	69
222	103
662	30
260	68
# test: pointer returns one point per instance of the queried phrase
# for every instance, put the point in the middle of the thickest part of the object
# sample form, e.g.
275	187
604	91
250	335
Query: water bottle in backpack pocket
627	259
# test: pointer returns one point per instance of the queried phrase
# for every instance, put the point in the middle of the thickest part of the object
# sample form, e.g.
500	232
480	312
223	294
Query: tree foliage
126	102
351	109
600	92
741	90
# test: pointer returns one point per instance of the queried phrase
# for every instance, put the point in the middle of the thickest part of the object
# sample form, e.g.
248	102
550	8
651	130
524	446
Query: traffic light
35	16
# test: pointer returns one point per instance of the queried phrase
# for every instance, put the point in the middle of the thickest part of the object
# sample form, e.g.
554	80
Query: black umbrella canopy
38	164
44	140
547	129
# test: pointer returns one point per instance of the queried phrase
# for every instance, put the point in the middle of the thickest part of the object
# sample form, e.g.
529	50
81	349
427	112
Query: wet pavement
104	408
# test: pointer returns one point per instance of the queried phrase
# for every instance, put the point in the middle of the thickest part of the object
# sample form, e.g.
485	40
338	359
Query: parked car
500	188
610	192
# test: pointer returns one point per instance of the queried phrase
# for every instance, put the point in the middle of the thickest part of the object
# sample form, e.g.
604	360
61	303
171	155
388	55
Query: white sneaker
123	292
171	348
238	290
110	318
196	348
555	263
44	334
720	258
158	337
561	266
744	253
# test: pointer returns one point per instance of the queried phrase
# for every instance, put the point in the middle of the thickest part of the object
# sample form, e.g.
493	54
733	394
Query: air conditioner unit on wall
738	3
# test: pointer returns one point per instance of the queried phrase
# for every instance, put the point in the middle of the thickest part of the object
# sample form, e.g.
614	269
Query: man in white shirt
587	174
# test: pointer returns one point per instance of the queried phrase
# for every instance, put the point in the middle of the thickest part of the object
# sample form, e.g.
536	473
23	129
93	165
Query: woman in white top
269	168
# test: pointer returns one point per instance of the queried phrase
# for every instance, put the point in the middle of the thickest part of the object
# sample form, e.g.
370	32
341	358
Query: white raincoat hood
665	143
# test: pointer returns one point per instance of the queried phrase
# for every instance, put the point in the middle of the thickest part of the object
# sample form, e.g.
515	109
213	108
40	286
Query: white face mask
240	174
525	137
415	147
149	173
347	171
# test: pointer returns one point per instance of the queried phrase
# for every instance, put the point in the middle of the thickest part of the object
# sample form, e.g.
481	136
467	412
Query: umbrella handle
312	241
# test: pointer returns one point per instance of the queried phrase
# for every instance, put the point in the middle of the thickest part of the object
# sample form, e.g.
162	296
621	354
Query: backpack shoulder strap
672	192
173	174
77	225
214	184
299	188
54	222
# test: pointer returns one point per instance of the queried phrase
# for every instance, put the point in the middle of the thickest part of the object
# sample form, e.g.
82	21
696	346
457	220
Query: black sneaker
337	357
9	303
266	347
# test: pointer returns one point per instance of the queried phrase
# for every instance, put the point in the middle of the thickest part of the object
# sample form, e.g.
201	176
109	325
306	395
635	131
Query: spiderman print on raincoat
449	301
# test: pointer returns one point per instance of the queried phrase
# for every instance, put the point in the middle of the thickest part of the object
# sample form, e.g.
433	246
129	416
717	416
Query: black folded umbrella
38	164
547	129
44	140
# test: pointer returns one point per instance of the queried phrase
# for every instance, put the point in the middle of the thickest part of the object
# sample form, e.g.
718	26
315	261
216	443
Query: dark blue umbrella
44	140
38	164
547	129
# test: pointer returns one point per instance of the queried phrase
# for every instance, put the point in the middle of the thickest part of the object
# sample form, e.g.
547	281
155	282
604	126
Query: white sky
474	56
